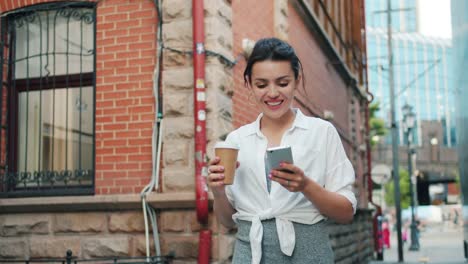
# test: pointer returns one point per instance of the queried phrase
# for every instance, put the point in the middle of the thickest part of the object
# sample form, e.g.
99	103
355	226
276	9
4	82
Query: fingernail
282	164
270	176
221	176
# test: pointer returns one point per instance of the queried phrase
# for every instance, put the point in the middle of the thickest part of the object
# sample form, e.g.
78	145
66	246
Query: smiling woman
273	86
280	212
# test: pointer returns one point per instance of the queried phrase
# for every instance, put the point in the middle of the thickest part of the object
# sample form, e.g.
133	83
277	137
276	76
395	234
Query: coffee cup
228	159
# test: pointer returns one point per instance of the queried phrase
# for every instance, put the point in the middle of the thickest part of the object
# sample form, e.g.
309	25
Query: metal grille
70	259
48	100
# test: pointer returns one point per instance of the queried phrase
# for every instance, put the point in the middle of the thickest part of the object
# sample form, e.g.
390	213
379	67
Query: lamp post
408	125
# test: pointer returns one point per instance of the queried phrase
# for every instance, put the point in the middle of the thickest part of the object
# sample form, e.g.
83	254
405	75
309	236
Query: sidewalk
438	244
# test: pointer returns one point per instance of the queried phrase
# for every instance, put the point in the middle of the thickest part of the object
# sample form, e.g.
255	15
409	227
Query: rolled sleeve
340	175
340	180
230	196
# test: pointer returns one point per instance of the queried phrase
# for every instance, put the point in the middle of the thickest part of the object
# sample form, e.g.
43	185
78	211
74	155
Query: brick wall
126	56
252	20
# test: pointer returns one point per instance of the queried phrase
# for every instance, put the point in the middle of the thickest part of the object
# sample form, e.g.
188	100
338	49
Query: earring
250	99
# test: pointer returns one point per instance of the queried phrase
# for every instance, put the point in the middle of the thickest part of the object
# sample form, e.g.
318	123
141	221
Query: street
438	244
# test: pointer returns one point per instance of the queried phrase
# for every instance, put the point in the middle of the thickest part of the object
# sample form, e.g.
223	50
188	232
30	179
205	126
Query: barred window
48	104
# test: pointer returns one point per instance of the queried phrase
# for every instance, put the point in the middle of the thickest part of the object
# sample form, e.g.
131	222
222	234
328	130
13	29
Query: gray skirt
312	244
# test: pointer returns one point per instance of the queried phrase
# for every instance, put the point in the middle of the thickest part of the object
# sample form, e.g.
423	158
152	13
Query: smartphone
277	155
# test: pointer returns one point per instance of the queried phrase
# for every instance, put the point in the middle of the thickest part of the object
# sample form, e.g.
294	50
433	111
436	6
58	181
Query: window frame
9	187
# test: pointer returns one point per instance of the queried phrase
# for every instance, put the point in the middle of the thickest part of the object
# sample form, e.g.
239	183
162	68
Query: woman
280	215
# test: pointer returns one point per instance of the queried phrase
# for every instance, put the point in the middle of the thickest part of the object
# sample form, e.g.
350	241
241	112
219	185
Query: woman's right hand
216	177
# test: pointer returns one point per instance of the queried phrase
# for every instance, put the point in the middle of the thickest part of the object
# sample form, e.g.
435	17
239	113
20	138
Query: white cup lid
224	144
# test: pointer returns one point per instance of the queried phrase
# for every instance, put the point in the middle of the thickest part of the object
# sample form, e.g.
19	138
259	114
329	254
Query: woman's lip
274	107
273	103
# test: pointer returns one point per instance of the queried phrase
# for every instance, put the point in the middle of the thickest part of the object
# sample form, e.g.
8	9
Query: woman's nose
272	91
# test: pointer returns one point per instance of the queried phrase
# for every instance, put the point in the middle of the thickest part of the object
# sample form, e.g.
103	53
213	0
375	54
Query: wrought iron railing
45	183
47	100
70	259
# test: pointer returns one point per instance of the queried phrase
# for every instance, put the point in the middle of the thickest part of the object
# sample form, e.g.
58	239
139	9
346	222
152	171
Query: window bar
81	94
69	14
27	101
11	115
46	67
3	168
46	166
53	93
39	156
93	179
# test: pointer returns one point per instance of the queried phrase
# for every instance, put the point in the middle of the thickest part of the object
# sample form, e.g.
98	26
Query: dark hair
272	49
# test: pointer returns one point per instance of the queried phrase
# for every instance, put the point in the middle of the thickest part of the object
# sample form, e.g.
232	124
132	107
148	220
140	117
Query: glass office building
421	68
460	84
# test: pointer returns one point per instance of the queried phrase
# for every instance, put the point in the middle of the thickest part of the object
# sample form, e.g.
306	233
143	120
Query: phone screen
277	155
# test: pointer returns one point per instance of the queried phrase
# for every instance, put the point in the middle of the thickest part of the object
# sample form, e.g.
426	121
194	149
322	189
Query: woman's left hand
292	179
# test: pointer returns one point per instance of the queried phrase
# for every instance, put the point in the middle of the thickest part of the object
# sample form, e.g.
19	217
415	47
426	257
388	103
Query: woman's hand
293	179
216	177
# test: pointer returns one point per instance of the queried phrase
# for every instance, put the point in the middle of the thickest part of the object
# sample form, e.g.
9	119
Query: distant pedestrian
456	216
280	212
404	231
404	234
386	234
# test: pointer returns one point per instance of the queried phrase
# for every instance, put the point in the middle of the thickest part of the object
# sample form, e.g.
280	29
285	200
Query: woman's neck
274	128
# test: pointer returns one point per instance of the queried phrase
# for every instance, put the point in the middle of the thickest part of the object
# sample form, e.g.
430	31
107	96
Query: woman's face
273	86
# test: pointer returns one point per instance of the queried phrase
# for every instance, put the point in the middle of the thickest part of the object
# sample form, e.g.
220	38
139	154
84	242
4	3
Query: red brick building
91	88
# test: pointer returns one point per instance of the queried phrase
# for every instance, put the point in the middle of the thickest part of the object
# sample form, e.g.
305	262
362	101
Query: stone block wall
353	243
88	235
121	234
178	83
108	234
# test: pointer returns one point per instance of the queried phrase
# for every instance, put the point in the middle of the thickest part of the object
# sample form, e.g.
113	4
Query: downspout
368	145
199	95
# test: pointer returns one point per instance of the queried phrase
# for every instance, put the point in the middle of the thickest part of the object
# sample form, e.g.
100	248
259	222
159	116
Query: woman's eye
261	85
283	84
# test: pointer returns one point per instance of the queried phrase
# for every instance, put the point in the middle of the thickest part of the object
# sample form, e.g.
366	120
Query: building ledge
180	200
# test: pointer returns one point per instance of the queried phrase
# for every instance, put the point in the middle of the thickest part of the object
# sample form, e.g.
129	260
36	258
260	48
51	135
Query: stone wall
178	85
353	243
110	234
88	235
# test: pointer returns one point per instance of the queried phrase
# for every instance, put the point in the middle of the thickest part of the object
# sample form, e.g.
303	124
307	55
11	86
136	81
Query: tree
376	125
405	198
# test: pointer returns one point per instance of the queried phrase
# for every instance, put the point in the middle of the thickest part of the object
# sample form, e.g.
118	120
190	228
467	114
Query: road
438	244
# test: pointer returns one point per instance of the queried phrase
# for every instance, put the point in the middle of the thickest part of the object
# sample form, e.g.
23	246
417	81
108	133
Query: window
47	120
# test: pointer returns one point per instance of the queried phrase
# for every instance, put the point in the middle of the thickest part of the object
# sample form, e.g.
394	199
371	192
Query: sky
434	18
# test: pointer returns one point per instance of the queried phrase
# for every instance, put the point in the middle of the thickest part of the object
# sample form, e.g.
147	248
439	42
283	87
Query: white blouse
317	150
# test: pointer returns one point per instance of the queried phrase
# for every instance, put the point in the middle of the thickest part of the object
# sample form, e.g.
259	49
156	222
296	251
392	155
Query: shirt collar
299	122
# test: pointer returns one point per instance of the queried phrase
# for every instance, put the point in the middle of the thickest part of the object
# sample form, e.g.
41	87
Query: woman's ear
248	86
298	80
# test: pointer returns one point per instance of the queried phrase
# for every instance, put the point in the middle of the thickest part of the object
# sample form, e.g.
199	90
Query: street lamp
409	120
